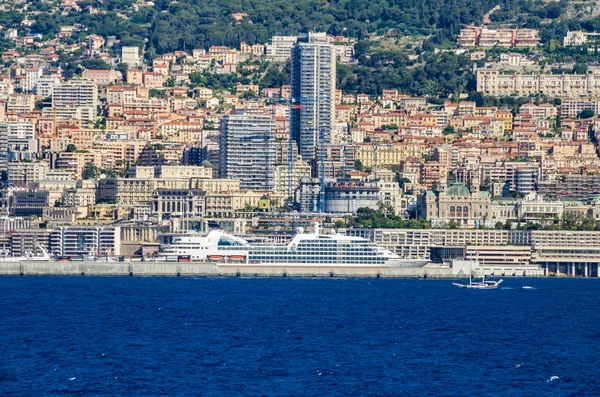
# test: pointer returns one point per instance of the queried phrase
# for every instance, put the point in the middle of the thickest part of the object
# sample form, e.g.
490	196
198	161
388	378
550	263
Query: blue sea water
133	336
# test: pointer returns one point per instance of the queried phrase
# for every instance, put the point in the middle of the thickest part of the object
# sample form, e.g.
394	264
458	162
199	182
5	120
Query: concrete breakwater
206	269
90	268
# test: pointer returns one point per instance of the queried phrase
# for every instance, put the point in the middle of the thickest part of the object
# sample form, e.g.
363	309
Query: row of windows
317	260
319	253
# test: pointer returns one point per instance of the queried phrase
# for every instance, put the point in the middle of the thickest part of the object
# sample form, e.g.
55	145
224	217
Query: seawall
90	268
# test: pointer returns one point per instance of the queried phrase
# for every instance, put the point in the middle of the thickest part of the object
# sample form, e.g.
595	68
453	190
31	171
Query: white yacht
305	249
29	255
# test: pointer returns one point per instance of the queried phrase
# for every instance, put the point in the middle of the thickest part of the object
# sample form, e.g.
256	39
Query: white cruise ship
305	249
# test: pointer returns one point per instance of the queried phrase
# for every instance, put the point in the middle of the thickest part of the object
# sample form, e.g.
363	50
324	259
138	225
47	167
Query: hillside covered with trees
171	25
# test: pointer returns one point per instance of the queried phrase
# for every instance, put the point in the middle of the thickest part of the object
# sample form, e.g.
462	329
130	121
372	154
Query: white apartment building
32	76
20	103
576	38
573	108
131	56
6	87
86	114
25	172
345	53
493	83
83	240
313	91
515	59
74	98
540	112
45	85
21	143
248	151
102	77
300	170
76	93
78	197
279	48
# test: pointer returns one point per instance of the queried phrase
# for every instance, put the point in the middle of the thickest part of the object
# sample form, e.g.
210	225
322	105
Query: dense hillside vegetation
200	23
171	25
197	23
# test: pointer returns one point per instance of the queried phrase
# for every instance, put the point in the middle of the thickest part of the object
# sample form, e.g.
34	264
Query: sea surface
135	336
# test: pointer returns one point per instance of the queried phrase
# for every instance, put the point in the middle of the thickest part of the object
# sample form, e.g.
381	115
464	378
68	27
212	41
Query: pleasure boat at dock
305	249
29	255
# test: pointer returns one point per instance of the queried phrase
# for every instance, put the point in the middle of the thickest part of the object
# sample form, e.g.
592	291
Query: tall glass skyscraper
313	94
247	150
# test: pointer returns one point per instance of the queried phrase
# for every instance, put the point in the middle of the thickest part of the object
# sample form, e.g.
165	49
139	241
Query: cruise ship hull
408	263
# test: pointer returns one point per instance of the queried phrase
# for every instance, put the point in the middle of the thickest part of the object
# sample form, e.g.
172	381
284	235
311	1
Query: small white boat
480	285
527	287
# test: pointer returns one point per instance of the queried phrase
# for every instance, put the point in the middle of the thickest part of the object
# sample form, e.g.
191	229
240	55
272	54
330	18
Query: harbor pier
214	269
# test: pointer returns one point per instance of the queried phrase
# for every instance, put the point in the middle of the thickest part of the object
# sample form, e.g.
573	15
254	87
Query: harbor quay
208	269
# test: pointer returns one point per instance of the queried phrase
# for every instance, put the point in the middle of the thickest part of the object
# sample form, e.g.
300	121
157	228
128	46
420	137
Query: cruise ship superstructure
305	249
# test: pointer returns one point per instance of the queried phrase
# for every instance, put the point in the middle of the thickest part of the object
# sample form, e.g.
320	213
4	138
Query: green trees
122	67
448	130
366	217
95	64
154	93
45	24
339	224
401	181
276	76
580	68
90	171
586	114
441	75
178	25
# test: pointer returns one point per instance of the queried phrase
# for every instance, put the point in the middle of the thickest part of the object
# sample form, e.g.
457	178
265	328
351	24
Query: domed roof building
458	189
457	203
